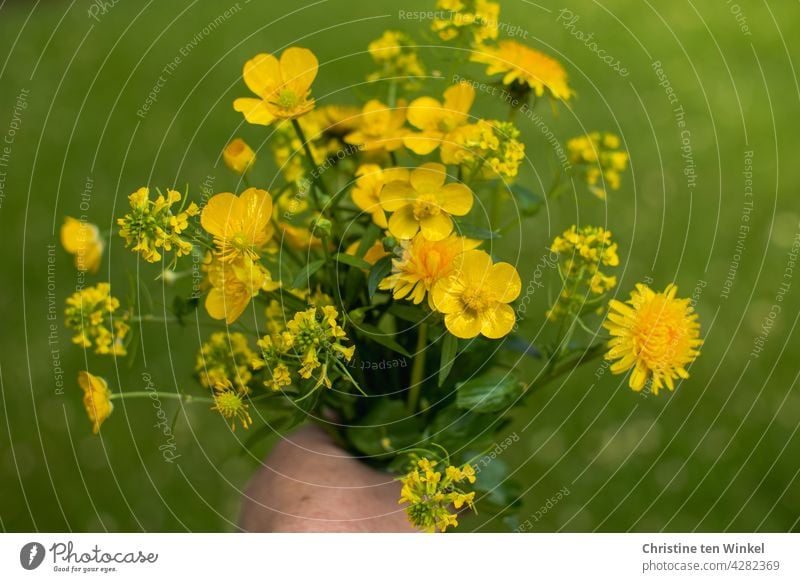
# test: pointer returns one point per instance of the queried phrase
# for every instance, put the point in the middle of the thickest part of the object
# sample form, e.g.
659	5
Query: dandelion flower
475	297
655	334
526	67
238	156
96	399
83	240
240	224
283	86
424	203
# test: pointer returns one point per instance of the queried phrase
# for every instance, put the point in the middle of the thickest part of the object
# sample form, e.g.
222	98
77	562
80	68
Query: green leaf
382	338
352	261
492	392
449	351
370	236
528	201
387	428
477	232
302	279
454	429
408	313
379	271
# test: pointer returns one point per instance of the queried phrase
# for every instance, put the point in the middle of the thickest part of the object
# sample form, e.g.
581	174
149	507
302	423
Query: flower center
426	205
476	299
287	99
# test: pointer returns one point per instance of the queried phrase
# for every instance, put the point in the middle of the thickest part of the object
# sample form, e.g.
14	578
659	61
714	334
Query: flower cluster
90	313
225	356
430	494
581	254
474	19
152	225
655	334
397	56
600	160
489	147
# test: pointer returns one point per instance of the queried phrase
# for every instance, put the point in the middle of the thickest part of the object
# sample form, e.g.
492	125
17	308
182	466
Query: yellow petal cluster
431	494
82	239
225	356
397	56
599	157
90	313
477	20
489	146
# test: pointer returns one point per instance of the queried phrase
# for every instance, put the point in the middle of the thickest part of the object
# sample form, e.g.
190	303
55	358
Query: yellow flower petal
504	280
402	223
428	178
498	322
456	199
436	226
299	69
463	324
423	143
219	212
261	74
459	98
396	195
254	110
425	113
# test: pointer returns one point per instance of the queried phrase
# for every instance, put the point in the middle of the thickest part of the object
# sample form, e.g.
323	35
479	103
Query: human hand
308	484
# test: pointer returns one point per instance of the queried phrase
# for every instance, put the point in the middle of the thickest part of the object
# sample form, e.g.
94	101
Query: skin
308	484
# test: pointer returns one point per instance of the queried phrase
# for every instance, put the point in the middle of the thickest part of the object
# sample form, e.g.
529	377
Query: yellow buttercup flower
230	403
397	56
655	334
430	494
283	87
238	156
370	180
240	225
233	285
479	18
153	225
83	240
475	297
599	157
437	120
422	264
225	356
90	313
490	146
425	203
525	66
96	399
380	127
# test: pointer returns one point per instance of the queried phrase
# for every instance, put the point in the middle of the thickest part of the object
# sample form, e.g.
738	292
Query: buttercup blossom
422	264
225	356
233	285
654	334
283	86
478	18
370	180
397	56
96	399
491	146
153	226
230	403
475	297
83	240
380	127
526	67
89	314
238	156
240	224
436	120
425	203
430	494
599	157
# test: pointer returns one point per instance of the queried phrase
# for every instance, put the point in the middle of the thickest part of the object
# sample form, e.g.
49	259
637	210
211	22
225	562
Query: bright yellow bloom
489	146
397	56
478	17
475	297
280	377
424	203
437	120
370	180
96	399
429	494
379	127
240	225
581	254
283	87
83	240
225	356
90	313
525	66
422	264
233	285
655	334
599	157
229	402
152	224
238	156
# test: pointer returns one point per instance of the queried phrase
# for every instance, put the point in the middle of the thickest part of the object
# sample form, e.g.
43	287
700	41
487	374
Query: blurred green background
722	453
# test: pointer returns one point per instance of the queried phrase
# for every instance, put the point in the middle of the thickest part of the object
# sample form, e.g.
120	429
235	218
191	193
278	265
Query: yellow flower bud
238	156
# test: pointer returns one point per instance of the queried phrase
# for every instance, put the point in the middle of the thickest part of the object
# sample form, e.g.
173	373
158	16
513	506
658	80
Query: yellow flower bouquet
361	291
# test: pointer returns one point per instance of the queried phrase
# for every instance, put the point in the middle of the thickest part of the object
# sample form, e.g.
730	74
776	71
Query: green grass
721	453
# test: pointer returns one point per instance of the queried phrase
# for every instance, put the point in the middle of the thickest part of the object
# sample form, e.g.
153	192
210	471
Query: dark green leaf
382	338
370	236
352	261
385	429
449	351
302	279
407	312
379	271
492	392
476	232
528	201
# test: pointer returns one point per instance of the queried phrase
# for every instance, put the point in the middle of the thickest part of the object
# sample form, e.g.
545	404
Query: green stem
418	369
187	398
